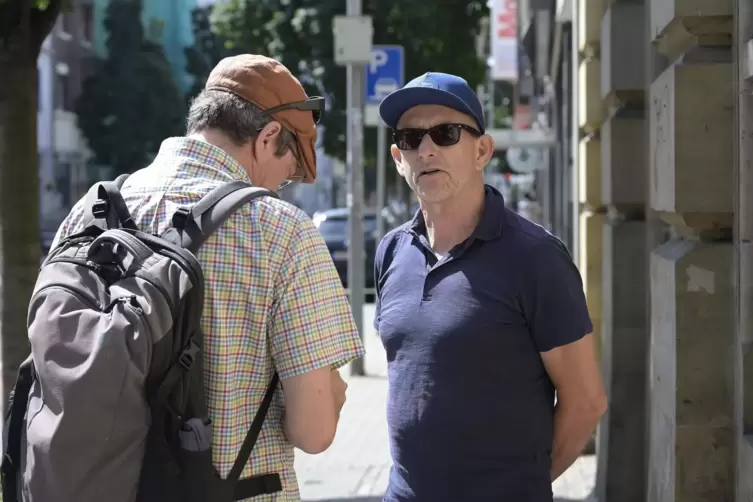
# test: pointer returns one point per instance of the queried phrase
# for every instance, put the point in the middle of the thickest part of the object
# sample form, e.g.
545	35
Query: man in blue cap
483	317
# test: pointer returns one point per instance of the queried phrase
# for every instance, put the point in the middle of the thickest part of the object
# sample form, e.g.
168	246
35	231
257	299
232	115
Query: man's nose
427	147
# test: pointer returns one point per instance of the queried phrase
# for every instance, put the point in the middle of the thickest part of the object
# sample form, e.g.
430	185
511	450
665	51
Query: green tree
131	102
298	33
208	49
226	29
23	27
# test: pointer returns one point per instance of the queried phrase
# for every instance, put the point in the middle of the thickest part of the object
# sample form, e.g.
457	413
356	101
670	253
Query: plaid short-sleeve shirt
273	299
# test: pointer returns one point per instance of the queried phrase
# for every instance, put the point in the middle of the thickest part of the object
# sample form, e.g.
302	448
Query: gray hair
237	118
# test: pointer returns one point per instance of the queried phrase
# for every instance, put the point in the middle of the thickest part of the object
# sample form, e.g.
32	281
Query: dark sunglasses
314	104
441	135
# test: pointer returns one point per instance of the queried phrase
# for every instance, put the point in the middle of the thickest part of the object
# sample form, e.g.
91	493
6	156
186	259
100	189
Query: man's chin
432	194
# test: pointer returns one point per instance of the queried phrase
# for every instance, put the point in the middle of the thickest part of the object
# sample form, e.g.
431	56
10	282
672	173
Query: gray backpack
110	404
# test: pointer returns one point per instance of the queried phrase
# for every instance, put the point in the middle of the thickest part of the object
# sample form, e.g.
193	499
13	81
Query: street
356	466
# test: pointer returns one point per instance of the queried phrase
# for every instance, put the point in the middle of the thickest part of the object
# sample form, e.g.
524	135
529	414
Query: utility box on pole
353	35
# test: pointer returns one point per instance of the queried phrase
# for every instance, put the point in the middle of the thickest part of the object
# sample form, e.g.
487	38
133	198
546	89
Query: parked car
333	225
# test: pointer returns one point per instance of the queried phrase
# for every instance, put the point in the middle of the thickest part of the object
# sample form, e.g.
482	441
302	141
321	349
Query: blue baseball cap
432	88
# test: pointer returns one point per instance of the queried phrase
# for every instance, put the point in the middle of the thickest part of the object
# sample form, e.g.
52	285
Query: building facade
65	61
652	101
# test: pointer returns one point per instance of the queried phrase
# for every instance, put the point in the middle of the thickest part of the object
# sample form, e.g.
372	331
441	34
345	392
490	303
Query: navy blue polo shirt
470	407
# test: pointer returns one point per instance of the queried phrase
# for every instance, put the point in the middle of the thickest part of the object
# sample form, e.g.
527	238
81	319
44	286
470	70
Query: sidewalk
356	467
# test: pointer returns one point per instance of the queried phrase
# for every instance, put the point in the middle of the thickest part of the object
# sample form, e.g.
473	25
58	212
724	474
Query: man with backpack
110	405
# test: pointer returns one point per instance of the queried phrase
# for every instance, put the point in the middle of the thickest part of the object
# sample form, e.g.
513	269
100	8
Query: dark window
87	22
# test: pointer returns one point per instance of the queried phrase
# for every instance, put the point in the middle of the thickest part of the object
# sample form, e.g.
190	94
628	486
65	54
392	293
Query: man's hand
339	386
581	400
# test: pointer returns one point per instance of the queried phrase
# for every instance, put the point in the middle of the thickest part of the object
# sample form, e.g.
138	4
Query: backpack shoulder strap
197	223
105	208
191	227
257	485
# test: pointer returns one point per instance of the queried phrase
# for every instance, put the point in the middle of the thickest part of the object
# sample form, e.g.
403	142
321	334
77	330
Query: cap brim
396	104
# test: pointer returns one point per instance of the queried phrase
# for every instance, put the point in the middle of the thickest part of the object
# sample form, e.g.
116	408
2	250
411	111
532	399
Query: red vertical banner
504	40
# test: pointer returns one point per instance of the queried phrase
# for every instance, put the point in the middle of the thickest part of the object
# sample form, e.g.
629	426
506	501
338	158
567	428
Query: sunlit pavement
356	467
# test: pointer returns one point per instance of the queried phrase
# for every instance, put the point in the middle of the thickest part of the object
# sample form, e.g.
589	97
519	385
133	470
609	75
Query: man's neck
216	138
450	222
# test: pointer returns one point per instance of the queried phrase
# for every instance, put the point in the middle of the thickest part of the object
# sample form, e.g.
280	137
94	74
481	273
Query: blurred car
333	226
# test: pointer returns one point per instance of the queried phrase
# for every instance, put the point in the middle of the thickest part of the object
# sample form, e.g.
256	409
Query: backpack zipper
97	268
131	302
85	298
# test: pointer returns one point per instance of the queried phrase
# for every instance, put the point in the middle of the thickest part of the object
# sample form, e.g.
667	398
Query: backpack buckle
188	357
181	217
99	208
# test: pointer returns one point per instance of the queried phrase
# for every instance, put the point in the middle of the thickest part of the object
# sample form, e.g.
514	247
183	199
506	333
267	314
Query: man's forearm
572	430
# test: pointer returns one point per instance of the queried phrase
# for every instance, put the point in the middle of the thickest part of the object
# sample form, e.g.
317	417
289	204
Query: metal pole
381	174
490	100
356	266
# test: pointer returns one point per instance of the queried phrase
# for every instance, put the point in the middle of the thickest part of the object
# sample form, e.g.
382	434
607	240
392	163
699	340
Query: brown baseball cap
268	84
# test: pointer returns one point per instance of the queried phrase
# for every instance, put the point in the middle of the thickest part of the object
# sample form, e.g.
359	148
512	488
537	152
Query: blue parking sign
385	73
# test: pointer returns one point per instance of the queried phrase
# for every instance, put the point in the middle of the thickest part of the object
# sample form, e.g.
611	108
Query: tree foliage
131	102
437	36
37	15
208	49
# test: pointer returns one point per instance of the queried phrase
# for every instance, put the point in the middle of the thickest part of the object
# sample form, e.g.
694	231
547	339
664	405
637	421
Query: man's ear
267	137
484	151
397	156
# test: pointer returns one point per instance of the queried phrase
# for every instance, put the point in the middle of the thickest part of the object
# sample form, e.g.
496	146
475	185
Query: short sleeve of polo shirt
553	300
312	326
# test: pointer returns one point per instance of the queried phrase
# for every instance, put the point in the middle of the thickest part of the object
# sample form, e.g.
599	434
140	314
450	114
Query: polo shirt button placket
426	290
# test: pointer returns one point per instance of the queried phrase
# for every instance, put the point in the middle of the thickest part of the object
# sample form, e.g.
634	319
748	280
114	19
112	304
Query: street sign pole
384	75
381	176
356	265
353	47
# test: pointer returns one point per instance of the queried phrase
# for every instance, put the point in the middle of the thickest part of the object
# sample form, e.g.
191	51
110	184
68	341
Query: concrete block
691	128
745	373
589	23
745	466
747	378
622	31
692	434
677	25
589	177
590	265
623	155
590	105
624	353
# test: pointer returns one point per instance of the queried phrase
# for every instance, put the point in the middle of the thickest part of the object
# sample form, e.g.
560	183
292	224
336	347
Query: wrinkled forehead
426	116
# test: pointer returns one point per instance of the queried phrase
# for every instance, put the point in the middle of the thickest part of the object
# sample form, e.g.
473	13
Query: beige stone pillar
744	245
622	432
590	115
693	389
